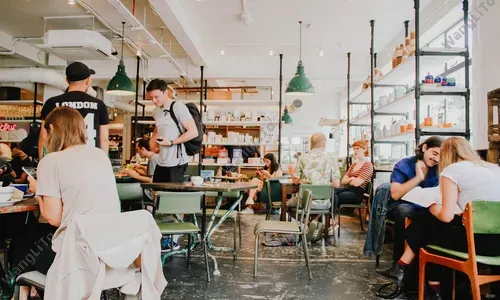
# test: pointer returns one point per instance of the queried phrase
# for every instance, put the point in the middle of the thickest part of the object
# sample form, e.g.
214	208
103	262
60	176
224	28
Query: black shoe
394	273
432	294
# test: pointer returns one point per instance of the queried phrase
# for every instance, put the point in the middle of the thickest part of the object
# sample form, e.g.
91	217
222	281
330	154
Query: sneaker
247	211
249	201
318	233
166	244
311	229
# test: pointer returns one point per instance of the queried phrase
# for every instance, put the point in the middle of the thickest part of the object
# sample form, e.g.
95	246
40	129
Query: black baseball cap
77	71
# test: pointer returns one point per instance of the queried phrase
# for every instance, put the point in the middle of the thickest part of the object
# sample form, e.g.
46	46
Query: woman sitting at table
271	170
74	179
464	177
356	178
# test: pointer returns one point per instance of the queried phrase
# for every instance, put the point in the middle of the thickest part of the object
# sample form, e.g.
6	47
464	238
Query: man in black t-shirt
93	110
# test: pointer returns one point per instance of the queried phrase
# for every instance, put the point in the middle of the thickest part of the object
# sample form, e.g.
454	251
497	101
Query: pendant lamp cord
300	47
123	36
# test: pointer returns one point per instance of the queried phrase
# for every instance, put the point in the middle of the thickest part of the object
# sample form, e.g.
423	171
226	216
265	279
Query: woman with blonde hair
73	179
464	177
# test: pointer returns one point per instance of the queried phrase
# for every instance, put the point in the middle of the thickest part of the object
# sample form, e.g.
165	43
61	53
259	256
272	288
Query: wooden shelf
239	144
19	102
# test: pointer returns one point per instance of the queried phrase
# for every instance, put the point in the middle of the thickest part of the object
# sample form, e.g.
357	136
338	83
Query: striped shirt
365	173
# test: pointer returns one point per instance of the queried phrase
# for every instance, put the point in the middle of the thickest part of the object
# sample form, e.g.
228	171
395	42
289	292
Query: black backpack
193	146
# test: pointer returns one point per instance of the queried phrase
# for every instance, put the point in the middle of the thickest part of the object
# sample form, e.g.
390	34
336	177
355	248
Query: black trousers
32	250
426	229
169	174
348	195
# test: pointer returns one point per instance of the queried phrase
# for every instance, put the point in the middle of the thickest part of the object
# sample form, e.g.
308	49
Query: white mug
196	180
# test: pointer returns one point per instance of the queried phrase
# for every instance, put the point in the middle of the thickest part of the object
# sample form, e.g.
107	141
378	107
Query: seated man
418	170
316	167
20	160
146	149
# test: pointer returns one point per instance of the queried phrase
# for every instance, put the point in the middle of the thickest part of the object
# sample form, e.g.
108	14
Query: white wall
485	66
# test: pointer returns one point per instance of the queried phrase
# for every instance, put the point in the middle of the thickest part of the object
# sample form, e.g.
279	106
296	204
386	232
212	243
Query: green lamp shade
120	84
286	117
300	85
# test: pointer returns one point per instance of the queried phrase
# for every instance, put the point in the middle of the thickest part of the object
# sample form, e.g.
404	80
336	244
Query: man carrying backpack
176	131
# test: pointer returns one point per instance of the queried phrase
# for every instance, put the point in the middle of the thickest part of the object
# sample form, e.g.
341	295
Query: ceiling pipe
123	10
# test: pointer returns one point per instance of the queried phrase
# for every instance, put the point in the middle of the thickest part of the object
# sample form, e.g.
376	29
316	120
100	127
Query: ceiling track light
271	52
71	2
321	52
222	52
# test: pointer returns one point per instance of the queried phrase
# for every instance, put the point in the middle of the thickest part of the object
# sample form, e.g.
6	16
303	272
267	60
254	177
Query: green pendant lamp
120	84
300	85
286	117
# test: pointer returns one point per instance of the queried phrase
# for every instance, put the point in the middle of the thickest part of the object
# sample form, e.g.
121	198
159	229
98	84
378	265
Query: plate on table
29	195
9	203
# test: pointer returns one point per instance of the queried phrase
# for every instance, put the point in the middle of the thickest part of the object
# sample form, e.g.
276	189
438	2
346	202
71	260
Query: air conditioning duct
80	44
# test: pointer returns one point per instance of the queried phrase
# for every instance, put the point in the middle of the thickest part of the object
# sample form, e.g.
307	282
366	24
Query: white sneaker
249	201
247	211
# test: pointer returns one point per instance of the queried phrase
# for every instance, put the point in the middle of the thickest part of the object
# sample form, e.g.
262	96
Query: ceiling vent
73	45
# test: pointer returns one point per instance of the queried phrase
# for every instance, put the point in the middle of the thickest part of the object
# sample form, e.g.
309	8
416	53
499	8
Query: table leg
283	203
203	217
211	230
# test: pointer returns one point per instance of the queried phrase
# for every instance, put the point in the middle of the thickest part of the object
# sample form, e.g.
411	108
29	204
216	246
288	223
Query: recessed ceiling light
321	52
139	52
222	52
71	2
271	52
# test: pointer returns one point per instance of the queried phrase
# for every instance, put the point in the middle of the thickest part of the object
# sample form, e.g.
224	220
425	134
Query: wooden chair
480	217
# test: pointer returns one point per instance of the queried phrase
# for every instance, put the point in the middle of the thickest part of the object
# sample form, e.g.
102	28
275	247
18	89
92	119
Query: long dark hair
432	142
274	163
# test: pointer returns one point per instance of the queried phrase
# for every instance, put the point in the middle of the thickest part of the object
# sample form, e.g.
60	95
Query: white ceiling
201	29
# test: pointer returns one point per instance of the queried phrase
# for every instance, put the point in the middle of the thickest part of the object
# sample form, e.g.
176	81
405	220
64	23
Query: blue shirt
404	170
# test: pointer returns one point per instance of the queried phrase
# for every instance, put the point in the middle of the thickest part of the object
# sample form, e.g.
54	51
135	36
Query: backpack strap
172	115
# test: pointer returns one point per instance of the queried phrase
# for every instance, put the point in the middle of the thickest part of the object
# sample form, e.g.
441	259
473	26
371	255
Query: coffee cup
196	180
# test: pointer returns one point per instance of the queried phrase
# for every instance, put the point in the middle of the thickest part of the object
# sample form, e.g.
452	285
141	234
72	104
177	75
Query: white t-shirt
83	178
475	182
168	130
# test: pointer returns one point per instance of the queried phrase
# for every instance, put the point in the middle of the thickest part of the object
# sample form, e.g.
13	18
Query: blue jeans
376	229
398	211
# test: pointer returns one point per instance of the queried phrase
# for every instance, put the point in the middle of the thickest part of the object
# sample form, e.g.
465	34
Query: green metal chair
319	192
366	197
480	217
130	192
271	190
298	227
181	203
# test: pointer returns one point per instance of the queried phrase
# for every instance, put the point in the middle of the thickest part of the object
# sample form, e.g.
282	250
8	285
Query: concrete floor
339	272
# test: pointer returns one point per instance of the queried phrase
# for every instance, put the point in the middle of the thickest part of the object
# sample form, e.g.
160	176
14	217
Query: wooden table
29	204
287	188
220	188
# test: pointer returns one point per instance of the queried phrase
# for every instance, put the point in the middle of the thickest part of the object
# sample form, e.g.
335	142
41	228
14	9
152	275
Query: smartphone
159	140
30	171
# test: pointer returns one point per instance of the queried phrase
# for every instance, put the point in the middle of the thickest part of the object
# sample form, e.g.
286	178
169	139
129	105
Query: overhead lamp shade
300	85
120	84
286	117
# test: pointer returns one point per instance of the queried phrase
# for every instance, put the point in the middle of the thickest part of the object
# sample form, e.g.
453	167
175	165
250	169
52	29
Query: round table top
29	204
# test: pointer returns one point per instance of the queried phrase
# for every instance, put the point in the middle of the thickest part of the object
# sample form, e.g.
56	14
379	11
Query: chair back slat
179	203
485	217
129	191
319	191
305	201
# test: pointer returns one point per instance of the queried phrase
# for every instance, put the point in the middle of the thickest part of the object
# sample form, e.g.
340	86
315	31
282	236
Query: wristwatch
171	143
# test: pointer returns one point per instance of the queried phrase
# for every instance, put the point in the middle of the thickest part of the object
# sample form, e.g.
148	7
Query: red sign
7	126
